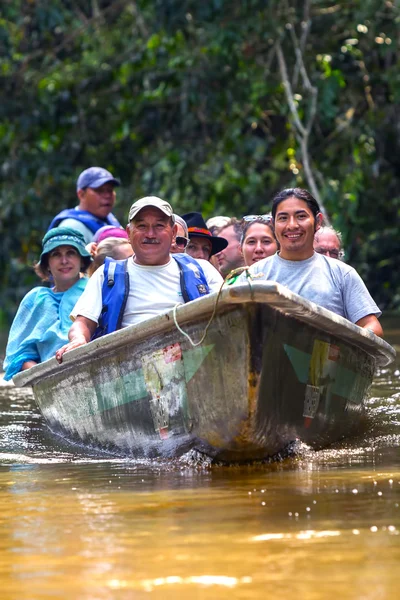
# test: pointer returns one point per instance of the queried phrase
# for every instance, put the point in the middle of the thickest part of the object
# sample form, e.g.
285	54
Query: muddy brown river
79	524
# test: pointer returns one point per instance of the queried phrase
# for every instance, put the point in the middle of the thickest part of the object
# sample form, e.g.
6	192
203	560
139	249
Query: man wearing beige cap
157	280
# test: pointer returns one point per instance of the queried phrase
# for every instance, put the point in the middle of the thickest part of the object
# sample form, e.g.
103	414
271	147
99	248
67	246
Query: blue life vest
93	223
115	289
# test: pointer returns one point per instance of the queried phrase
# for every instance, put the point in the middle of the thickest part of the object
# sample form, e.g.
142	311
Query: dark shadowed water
78	524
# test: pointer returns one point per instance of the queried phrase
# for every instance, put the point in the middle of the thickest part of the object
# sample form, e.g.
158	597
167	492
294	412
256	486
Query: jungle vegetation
214	106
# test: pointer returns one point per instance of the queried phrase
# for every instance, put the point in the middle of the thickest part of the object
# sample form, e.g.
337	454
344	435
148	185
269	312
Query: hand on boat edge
70	346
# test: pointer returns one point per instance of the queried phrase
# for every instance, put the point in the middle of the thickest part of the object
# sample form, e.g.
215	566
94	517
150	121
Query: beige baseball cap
162	205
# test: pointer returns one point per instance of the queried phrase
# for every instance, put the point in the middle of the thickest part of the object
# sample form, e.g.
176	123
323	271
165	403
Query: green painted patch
345	382
132	387
300	362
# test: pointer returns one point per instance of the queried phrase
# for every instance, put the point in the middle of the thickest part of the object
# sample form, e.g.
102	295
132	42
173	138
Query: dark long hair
298	193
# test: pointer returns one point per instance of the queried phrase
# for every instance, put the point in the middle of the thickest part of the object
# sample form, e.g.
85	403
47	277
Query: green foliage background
184	99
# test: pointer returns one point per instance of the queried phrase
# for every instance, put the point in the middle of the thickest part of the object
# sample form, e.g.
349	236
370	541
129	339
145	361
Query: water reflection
76	523
95	529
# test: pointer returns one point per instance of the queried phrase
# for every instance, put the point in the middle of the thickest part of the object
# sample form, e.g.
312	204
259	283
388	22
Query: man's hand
81	341
79	335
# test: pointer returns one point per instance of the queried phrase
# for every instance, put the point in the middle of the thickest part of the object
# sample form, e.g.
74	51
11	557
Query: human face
295	226
231	257
98	201
199	247
150	234
175	247
327	243
258	243
65	264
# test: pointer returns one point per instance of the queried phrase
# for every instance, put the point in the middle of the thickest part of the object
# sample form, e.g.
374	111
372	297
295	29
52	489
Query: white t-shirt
153	290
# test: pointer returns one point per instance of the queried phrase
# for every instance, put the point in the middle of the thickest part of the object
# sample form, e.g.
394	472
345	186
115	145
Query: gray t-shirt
323	280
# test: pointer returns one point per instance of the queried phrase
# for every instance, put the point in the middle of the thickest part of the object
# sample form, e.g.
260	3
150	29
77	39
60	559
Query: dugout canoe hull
273	368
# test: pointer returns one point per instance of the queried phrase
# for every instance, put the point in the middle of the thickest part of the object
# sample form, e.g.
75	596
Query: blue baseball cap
94	177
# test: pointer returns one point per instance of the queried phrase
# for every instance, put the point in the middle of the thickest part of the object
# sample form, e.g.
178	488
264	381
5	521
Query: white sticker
311	401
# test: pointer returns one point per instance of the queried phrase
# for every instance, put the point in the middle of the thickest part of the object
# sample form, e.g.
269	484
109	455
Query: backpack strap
111	273
114	295
86	218
193	280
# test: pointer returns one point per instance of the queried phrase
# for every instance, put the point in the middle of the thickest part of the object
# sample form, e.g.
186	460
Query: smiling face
259	242
150	234
295	226
65	264
98	201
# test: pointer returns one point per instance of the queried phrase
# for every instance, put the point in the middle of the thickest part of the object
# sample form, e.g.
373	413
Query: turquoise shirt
40	326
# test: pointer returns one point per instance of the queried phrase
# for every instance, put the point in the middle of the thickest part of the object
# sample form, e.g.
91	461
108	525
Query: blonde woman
116	248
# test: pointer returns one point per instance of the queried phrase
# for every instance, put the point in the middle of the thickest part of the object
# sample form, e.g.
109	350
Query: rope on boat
233	276
229	280
203	337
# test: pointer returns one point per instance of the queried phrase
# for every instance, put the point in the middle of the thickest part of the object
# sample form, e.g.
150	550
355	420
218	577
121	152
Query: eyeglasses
182	242
249	218
332	252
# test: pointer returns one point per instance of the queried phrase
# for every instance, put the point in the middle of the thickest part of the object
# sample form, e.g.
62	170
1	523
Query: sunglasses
182	242
249	218
328	252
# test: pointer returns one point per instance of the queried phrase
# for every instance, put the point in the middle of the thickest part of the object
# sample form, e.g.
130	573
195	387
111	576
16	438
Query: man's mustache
150	241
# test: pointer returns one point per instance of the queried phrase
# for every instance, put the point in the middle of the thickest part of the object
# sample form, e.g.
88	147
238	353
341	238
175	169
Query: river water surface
76	524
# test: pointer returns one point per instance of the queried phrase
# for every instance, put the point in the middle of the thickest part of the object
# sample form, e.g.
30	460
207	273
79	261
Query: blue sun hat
65	236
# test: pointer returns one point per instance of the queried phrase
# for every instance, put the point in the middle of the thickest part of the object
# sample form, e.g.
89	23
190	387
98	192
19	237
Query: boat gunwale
275	295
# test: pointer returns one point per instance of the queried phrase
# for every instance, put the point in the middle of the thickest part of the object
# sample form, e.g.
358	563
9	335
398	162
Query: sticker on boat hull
321	377
311	401
164	377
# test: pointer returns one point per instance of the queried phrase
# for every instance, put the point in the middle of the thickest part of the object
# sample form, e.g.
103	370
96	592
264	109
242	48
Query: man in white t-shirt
154	276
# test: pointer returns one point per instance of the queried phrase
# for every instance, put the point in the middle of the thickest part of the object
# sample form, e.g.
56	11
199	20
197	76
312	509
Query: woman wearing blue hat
42	322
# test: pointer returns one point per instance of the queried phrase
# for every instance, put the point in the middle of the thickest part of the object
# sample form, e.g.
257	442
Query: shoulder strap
114	297
112	220
110	272
193	280
90	221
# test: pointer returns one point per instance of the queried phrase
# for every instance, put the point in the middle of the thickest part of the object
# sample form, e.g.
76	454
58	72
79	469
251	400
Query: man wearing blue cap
96	192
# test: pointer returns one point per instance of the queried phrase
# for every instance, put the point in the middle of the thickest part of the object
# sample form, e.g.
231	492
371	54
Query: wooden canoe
272	368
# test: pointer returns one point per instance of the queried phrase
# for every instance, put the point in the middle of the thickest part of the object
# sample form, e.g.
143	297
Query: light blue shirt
40	326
